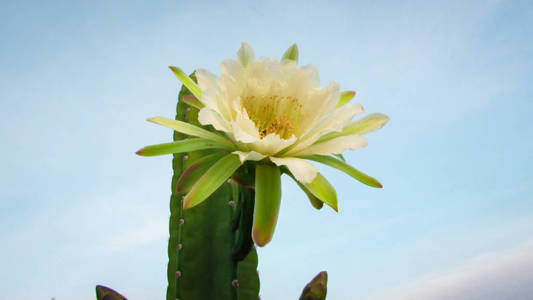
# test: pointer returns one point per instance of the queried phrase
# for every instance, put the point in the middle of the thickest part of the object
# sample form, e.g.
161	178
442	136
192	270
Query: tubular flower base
274	115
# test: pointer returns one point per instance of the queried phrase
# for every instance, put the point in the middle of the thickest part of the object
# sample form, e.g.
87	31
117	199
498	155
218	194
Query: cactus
105	293
317	288
211	254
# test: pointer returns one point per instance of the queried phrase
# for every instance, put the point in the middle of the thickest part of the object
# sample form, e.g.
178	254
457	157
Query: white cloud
492	276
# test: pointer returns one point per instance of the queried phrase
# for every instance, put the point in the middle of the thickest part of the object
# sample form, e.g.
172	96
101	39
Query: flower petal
245	54
312	75
231	68
206	79
333	122
207	116
364	125
303	170
345	98
272	144
367	124
244	129
318	103
336	146
251	155
214	94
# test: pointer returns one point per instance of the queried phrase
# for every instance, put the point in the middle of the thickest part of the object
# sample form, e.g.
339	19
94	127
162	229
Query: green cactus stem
210	250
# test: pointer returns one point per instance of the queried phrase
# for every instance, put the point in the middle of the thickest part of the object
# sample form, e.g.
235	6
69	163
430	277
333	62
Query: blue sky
455	216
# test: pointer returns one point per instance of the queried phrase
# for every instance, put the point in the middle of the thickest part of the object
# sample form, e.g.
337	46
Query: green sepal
193	101
189	177
315	202
320	188
345	98
346	168
339	156
213	178
267	202
364	125
187	145
291	53
190	129
187	82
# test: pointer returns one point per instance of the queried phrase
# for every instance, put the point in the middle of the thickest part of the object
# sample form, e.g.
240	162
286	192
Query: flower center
273	114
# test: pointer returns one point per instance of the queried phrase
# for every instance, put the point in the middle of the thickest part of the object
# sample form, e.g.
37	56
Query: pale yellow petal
318	103
272	144
244	129
231	68
251	155
336	145
214	92
207	116
333	122
206	79
303	170
245	54
312	74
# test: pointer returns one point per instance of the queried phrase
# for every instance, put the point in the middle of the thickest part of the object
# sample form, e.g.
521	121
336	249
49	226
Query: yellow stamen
273	114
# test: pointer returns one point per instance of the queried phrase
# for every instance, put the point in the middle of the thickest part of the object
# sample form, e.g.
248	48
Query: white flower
277	110
276	114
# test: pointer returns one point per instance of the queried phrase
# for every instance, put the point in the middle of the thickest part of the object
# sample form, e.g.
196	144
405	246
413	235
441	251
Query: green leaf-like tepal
345	98
320	188
317	288
267	201
212	180
189	83
105	293
291	53
312	198
189	177
323	190
187	145
346	168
